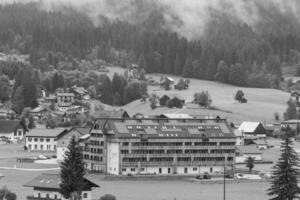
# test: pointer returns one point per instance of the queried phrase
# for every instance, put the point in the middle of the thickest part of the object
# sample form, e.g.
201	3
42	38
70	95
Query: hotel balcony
41	198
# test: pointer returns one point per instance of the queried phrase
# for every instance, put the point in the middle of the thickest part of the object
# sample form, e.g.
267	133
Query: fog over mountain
189	18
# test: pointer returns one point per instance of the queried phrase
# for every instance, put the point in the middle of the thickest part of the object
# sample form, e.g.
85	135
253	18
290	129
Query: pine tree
72	172
285	173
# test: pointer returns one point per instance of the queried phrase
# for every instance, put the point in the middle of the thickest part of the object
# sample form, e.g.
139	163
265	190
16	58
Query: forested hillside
229	51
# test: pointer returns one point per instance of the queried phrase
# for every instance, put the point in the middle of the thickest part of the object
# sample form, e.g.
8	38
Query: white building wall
33	145
113	158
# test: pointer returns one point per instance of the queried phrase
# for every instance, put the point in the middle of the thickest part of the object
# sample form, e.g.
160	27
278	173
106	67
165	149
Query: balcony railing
40	198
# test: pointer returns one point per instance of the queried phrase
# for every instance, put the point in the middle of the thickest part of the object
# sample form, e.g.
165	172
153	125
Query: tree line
229	52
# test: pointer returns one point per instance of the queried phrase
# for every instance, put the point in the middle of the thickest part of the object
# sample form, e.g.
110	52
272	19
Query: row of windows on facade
201	128
41	147
178	151
178	143
85	195
38	139
160	170
96	158
95	142
171	159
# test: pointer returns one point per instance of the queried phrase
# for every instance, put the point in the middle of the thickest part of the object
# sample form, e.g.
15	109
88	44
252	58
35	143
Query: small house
177	100
43	139
80	93
164	99
252	128
47	186
260	144
244	152
13	130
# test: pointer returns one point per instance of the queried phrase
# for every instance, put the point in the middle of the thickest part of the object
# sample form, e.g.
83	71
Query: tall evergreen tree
188	67
284	181
222	72
72	172
291	111
106	90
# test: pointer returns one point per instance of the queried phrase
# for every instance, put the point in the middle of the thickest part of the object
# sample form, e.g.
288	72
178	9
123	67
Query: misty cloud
187	17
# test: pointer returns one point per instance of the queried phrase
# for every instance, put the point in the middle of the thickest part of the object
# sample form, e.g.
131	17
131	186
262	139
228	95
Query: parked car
203	176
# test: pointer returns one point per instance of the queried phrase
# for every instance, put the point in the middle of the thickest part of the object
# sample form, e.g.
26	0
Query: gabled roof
9	126
260	142
45	132
52	181
80	90
249	149
248	127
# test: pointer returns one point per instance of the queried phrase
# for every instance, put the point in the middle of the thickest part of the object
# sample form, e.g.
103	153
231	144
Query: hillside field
261	106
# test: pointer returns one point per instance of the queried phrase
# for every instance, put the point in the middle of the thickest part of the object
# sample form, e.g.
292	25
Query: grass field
261	106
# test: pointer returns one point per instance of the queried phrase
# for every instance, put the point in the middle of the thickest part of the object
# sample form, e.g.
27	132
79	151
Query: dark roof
82	130
45	132
52	181
9	126
170	128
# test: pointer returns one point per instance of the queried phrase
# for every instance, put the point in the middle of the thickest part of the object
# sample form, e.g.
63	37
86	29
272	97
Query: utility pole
224	176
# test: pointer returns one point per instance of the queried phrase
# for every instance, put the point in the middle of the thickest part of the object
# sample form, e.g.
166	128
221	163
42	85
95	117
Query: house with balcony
46	187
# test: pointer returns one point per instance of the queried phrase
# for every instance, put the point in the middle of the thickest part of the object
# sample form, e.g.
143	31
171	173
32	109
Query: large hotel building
159	146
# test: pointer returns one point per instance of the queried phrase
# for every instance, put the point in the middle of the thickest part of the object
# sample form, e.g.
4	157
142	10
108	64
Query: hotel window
29	147
29	139
47	140
35	146
142	169
195	169
123	169
55	196
35	139
41	139
54	147
132	169
42	147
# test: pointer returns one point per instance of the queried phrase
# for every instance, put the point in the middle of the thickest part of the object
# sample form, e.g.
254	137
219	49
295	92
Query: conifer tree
284	175
72	172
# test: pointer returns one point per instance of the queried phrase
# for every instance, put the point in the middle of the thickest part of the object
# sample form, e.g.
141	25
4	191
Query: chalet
51	99
177	100
172	100
43	139
65	99
39	111
112	114
244	152
13	130
80	93
164	99
167	79
64	138
260	144
252	128
46	186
